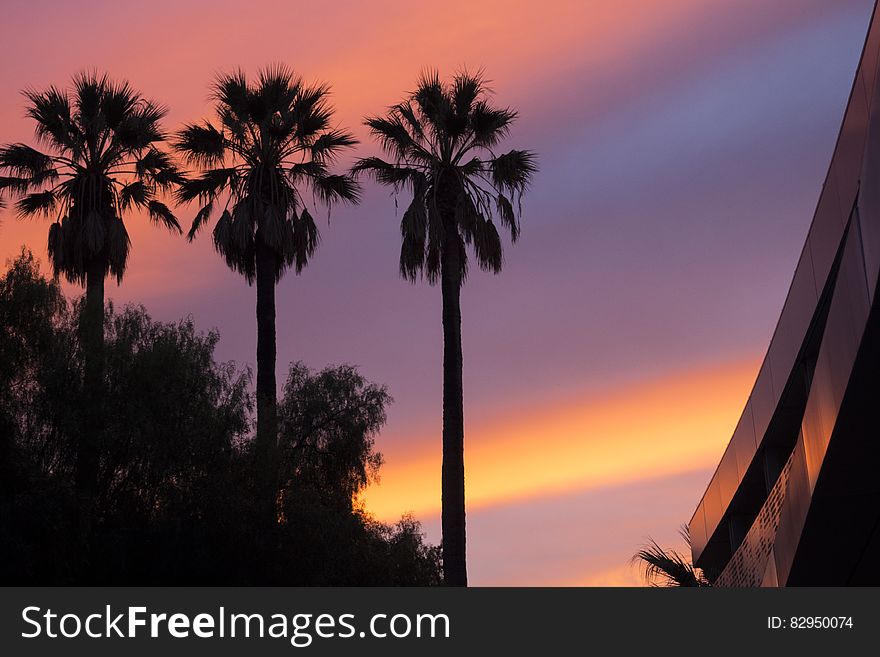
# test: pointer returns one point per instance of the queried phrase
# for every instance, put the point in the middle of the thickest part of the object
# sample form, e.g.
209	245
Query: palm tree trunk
453	511
267	422
89	440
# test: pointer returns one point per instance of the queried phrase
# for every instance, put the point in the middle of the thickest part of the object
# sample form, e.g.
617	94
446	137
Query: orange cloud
655	428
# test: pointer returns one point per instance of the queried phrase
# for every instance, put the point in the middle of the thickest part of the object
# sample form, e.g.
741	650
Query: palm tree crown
273	142
441	142
101	160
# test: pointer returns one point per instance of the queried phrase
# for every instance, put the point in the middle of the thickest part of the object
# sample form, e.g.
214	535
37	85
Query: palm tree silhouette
669	568
441	141
273	142
100	161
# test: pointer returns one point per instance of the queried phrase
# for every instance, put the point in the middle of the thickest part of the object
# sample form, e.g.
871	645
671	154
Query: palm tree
441	144
99	160
272	143
664	567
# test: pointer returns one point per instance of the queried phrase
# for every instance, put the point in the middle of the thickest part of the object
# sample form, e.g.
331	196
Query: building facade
795	499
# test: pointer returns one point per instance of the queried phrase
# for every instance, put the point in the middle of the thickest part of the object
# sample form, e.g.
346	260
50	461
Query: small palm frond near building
668	568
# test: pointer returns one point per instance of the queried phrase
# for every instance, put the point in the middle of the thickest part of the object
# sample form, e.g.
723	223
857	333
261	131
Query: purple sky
681	159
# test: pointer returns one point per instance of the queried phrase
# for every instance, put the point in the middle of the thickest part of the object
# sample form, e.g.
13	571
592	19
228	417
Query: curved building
795	499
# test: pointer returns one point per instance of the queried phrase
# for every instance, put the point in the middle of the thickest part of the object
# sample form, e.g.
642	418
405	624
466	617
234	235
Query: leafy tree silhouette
328	424
441	142
273	142
100	160
174	493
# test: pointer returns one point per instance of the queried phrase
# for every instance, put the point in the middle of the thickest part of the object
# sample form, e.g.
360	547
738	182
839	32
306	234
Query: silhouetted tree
442	141
173	420
666	567
272	142
174	502
37	500
181	440
100	160
328	420
31	310
328	423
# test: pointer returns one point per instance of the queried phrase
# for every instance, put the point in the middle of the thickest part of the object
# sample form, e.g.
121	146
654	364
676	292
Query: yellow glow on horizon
656	428
623	575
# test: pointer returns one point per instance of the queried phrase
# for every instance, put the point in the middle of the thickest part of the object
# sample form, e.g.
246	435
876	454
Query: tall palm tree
272	142
663	567
97	158
441	143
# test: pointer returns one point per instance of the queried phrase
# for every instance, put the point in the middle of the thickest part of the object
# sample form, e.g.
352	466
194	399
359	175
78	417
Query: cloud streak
660	427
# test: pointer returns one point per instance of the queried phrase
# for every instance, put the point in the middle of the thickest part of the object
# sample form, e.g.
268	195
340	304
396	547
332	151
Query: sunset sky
682	148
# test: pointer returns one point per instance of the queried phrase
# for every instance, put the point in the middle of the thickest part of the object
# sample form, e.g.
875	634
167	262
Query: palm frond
167	177
44	203
433	101
59	249
236	251
93	230
487	245
392	135
135	193
118	102
311	168
25	161
333	188
305	238
161	214
466	89
277	86
202	145
139	128
23	185
51	113
311	112
663	567
88	88
327	146
118	247
231	91
207	185
385	172
405	110
513	170
508	216
202	216
490	124
414	234
153	161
